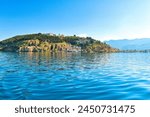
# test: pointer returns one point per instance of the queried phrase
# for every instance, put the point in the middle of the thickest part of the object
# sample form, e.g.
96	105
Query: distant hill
135	44
52	43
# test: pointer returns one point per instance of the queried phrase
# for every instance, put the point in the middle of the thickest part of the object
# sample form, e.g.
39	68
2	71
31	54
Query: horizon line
78	35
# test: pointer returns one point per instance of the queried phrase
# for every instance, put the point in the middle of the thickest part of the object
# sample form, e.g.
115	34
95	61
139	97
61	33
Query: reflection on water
74	76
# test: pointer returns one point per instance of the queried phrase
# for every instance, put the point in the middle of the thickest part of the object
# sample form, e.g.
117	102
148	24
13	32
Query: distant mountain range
134	44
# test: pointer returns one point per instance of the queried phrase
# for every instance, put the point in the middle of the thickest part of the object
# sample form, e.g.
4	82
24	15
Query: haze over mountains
126	44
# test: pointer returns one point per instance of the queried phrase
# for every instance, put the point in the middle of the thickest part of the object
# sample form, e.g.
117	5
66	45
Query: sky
100	19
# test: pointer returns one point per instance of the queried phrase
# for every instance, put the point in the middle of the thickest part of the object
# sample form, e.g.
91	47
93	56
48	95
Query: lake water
67	76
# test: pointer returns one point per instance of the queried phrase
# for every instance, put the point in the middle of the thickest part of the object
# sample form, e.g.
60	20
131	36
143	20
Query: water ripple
117	76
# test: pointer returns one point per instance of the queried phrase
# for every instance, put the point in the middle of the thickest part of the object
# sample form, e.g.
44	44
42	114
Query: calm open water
116	76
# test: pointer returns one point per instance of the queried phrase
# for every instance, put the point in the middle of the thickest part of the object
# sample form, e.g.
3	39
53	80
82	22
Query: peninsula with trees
49	42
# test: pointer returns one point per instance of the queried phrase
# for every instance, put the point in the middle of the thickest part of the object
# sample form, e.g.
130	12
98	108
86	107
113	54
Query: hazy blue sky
101	19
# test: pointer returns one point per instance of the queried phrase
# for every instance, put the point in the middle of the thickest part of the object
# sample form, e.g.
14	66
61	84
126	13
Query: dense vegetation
52	42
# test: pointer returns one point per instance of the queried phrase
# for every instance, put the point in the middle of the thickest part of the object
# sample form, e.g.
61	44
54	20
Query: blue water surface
74	76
